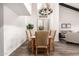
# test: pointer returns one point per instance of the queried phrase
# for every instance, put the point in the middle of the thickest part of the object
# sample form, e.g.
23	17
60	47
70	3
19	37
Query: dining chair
28	35
53	34
41	41
28	40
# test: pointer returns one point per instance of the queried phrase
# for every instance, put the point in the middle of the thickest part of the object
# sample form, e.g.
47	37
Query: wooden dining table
33	42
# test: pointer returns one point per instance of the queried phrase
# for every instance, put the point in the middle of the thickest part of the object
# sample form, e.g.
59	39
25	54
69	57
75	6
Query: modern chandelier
45	10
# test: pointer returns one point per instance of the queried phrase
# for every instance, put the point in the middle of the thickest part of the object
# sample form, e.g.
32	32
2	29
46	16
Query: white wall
67	15
54	20
1	31
14	30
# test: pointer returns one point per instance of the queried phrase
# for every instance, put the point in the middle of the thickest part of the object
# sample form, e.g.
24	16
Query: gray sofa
72	37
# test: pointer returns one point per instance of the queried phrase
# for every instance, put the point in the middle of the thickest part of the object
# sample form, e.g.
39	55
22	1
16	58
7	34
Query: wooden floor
61	49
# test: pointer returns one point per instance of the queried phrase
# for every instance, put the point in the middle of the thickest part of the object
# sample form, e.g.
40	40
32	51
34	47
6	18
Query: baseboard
15	48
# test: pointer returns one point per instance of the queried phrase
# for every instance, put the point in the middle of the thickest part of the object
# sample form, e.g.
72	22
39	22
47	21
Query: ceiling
18	8
76	5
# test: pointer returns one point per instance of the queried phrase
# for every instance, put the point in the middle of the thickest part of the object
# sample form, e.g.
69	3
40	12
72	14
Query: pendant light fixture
45	10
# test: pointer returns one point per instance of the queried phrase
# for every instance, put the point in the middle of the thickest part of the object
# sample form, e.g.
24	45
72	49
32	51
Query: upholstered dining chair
28	40
41	41
28	35
53	34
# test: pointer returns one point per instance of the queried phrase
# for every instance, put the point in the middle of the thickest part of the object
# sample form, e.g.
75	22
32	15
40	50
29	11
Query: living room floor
61	49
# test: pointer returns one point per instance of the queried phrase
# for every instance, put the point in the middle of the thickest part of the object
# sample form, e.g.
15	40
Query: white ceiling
18	8
73	4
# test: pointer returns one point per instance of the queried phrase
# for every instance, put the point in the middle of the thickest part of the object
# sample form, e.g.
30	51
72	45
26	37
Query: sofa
72	37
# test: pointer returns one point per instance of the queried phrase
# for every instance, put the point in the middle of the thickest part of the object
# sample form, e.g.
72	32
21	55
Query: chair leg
53	49
36	51
53	46
33	50
47	51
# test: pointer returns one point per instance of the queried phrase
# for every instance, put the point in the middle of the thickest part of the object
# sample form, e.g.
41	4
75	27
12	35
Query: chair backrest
28	34
53	33
41	38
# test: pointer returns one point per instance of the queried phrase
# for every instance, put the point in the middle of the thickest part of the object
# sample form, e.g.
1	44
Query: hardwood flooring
61	49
